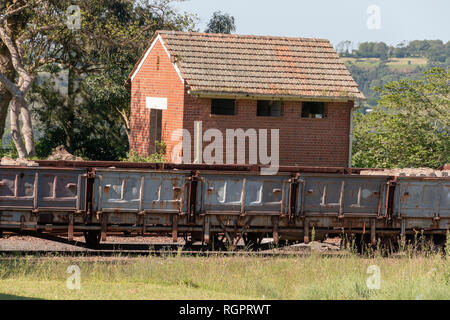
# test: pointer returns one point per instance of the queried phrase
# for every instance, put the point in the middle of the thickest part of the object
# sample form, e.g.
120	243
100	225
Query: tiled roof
260	65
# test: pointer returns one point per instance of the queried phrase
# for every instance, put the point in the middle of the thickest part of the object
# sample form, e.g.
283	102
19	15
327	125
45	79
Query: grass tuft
405	276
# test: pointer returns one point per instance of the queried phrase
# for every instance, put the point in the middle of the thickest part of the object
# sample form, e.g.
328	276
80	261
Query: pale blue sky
335	20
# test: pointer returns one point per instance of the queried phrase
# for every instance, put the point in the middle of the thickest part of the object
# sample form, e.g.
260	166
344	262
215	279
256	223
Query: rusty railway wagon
203	203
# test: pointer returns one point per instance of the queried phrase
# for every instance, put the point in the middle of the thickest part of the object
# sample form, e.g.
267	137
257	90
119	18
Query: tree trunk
126	122
15	127
71	95
8	34
5	98
27	128
7	69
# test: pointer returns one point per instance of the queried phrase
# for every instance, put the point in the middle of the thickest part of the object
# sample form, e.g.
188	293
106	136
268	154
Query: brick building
297	85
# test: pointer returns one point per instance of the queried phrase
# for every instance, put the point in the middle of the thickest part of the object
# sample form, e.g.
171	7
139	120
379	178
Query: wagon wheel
439	241
252	240
92	238
230	240
421	242
187	240
218	242
388	245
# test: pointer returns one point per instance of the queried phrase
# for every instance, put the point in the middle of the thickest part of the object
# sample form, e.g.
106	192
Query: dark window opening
312	109
155	129
223	106
268	108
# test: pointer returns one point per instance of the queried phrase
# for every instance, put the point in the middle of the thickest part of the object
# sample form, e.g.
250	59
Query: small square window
268	108
311	109
223	106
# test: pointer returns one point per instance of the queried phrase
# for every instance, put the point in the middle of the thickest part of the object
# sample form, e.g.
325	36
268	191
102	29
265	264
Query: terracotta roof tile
260	65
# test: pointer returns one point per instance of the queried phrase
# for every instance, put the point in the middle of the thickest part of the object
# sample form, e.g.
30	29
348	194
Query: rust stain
176	189
405	197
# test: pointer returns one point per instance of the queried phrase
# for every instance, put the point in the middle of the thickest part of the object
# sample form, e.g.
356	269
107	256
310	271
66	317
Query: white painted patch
156	103
366	193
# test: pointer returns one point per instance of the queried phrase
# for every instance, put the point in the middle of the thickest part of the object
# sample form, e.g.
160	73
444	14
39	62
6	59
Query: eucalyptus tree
221	23
95	44
27	31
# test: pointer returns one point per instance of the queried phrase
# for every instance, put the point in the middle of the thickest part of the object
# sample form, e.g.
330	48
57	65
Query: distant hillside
402	65
375	63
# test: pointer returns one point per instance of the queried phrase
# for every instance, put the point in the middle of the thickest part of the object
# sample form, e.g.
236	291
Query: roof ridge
245	36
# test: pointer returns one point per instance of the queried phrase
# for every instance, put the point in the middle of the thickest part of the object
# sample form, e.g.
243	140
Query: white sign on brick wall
156	103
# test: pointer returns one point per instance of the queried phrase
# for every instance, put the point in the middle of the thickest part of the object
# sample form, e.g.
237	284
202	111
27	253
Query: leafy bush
410	127
157	157
103	145
10	152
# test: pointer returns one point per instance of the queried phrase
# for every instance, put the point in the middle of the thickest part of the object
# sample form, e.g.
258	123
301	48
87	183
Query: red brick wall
312	142
155	80
303	141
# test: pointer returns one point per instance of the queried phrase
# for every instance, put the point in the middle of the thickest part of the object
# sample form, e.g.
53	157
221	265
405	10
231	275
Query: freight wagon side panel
423	202
135	191
342	195
42	189
32	196
229	193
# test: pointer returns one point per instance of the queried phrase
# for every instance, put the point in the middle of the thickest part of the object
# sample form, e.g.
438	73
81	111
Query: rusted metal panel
140	191
193	167
131	218
342	195
157	200
422	198
42	189
243	194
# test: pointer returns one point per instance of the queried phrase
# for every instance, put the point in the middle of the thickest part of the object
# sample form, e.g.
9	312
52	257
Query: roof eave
251	96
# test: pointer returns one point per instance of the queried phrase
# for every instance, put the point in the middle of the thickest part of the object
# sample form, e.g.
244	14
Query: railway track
62	247
8	254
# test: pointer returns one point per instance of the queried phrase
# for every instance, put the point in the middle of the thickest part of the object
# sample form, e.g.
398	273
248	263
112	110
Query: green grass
310	277
395	64
366	63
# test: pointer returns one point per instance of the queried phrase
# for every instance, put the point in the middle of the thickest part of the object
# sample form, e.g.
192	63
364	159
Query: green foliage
382	67
372	50
434	50
409	128
51	139
88	111
221	23
10	152
368	78
158	157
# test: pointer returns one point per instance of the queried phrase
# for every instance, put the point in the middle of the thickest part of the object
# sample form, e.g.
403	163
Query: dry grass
408	61
413	276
